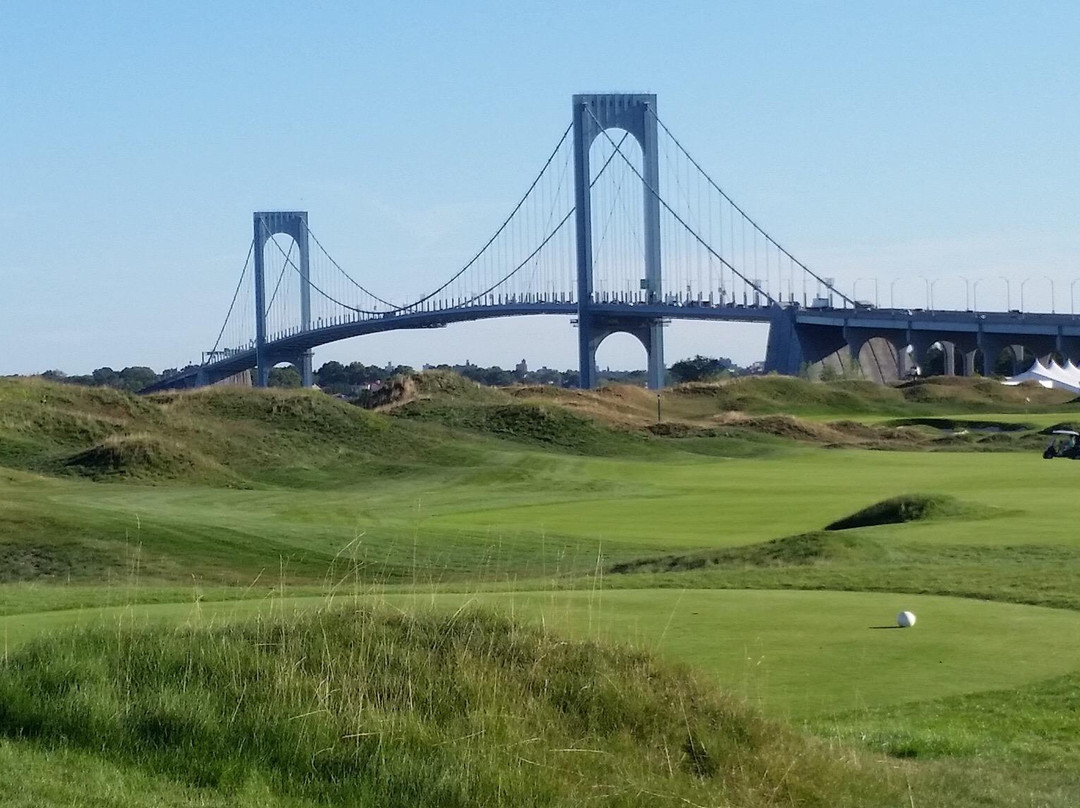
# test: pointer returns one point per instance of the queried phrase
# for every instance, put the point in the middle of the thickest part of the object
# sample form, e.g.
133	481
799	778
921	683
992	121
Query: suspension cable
313	285
471	261
675	215
236	293
744	214
362	288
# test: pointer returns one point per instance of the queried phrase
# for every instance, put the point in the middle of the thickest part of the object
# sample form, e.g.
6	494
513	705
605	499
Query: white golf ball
905	619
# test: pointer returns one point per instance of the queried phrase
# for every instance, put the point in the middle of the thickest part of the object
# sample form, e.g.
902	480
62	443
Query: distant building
521	370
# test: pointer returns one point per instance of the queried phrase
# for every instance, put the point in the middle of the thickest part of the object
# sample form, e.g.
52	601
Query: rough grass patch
367	706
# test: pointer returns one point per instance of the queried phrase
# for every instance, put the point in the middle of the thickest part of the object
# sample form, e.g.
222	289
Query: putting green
794	653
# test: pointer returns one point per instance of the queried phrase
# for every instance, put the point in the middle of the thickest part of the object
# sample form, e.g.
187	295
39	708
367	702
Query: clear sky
887	140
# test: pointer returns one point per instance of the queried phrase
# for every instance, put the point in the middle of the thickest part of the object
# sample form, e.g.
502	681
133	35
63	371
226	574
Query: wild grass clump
373	707
906	508
543	424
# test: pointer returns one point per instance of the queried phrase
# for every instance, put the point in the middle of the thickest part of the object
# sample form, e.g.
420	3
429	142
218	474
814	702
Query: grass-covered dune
372	707
216	436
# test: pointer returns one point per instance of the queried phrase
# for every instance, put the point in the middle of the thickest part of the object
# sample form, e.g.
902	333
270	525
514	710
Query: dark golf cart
1065	444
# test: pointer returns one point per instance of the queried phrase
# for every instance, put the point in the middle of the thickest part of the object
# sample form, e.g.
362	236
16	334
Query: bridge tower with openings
292	223
593	116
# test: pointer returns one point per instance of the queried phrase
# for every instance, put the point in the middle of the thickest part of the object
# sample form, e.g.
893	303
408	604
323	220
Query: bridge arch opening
618	216
1055	356
285	374
1009	361
621	358
880	360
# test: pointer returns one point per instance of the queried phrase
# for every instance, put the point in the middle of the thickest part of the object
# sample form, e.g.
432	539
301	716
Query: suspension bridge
621	230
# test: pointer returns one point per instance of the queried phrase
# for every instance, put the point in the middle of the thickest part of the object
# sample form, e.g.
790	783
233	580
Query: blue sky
887	140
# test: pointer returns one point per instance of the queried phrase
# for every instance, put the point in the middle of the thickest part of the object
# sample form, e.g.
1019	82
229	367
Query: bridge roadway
798	336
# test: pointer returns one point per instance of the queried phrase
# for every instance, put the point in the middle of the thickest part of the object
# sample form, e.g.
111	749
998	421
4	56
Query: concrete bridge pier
969	362
948	350
920	345
991	347
794	348
304	365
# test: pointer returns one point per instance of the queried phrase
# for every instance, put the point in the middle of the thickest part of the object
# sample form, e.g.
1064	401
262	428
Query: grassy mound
806	548
209	436
906	508
367	707
432	384
144	457
771	394
977	393
938	394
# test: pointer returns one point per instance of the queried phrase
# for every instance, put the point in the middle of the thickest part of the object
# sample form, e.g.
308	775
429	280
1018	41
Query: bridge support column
948	351
307	375
795	348
991	347
592	116
1018	353
855	339
657	375
920	345
969	363
292	223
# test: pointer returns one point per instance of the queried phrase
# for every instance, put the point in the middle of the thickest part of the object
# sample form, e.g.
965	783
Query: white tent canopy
1053	376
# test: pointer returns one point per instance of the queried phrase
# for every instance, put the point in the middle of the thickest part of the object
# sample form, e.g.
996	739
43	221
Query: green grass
702	540
792	653
374	707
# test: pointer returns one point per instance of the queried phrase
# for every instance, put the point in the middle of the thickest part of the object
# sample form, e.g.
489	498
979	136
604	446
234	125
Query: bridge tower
292	223
593	115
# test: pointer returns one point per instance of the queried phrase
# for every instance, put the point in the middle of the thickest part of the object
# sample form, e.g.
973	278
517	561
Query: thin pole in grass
658	408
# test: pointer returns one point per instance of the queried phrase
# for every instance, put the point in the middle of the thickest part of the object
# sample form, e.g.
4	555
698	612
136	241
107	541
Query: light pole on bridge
975	293
1072	300
929	291
1008	293
1023	283
967	293
855	289
1053	310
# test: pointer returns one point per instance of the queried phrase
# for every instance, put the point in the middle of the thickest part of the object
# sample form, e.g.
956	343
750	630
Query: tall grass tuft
368	706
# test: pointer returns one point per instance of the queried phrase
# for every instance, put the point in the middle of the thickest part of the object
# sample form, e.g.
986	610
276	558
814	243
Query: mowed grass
739	501
791	653
528	515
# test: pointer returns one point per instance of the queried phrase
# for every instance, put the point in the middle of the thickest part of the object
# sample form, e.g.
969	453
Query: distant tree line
334	377
703	368
355	377
132	379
